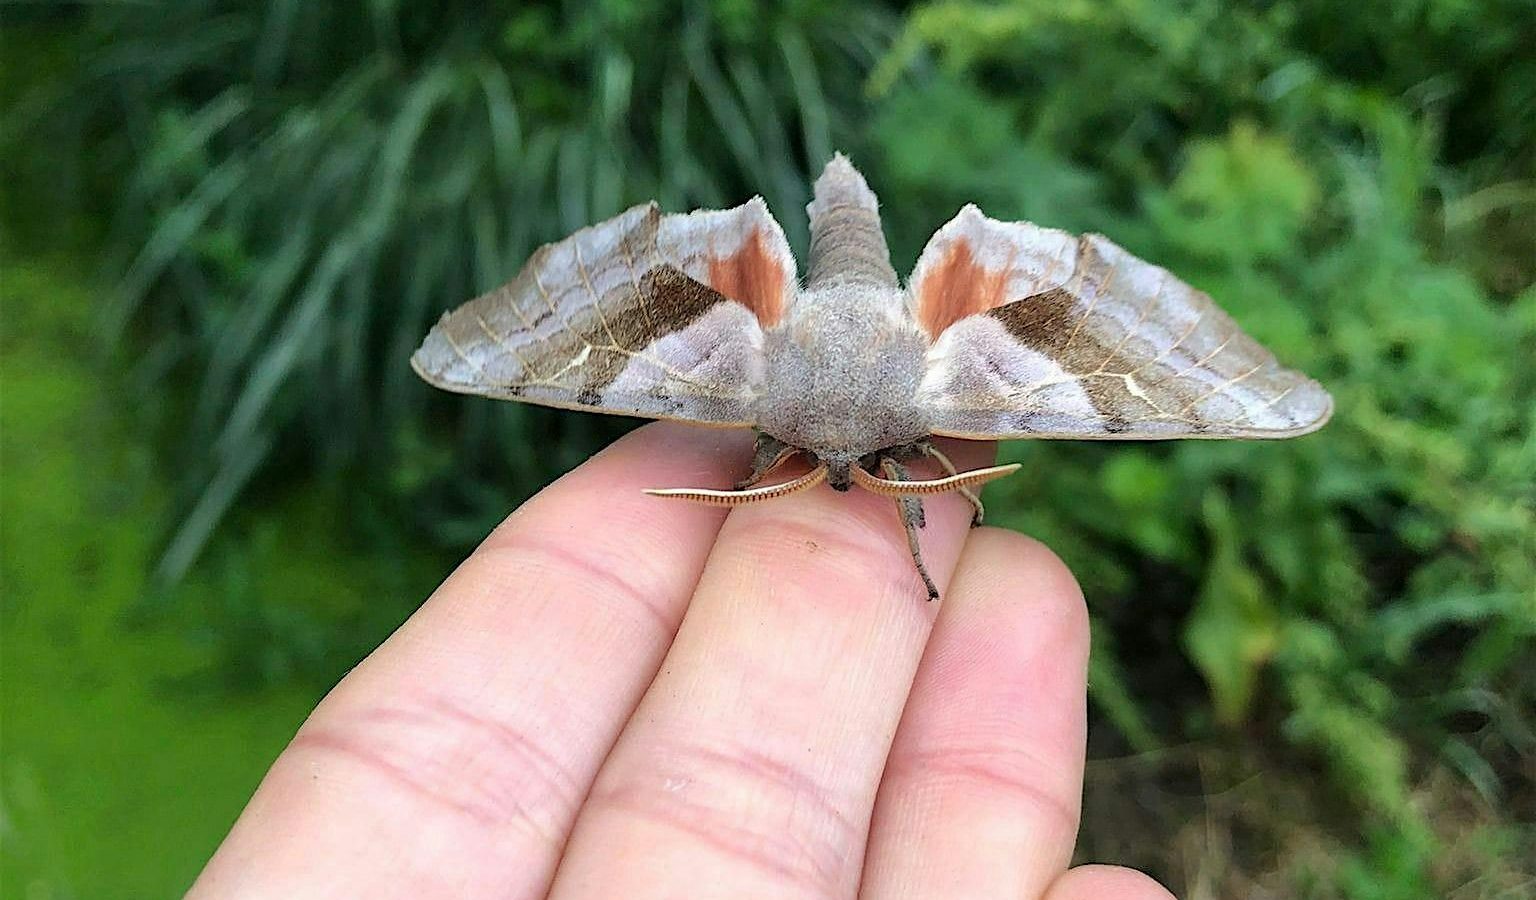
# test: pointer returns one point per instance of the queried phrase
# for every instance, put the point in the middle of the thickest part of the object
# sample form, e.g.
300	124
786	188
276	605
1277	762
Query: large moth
1004	330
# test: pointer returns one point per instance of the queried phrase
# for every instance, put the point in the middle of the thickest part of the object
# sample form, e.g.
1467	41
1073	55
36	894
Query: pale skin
622	696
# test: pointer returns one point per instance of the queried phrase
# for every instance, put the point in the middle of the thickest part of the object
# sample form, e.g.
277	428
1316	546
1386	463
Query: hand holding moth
617	696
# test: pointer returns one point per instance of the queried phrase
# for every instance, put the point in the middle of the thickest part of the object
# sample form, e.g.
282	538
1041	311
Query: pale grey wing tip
428	360
439	363
1309	408
1320	411
424	370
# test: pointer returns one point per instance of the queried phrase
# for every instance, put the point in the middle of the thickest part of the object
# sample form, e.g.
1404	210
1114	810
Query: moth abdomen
847	241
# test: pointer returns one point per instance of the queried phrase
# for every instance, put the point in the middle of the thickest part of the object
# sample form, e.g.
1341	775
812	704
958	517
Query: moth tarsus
768	455
978	511
1004	330
912	519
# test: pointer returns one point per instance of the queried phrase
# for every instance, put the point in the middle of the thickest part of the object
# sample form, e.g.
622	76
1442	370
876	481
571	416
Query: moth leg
911	509
979	512
769	454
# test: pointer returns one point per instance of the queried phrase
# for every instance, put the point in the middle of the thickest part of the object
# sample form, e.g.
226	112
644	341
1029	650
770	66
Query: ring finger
984	782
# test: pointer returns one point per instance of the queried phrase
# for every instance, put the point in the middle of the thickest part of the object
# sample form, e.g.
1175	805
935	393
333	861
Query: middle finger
751	765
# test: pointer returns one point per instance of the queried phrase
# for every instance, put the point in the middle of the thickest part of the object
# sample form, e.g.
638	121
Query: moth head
839	469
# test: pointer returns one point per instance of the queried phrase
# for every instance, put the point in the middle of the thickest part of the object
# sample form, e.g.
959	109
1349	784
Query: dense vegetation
1314	668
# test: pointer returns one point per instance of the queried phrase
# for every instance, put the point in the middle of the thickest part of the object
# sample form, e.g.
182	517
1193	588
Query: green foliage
296	190
123	767
1232	631
136	730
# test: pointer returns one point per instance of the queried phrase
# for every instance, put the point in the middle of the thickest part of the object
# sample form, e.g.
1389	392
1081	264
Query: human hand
620	696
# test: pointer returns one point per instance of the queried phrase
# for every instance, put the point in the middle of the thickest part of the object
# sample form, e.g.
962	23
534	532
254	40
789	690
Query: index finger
452	761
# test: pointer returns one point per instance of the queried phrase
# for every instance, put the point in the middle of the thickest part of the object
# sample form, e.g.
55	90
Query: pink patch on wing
752	277
957	287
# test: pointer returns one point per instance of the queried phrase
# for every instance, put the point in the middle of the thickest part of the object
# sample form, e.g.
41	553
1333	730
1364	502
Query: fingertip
608	491
1002	569
723	449
1014	624
660	453
1011	547
1095	882
967	454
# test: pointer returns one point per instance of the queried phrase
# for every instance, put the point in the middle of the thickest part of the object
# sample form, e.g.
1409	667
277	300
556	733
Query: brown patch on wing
1049	323
958	287
673	300
1042	322
752	277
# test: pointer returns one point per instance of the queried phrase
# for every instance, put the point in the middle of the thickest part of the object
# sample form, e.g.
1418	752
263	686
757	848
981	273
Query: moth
1004	330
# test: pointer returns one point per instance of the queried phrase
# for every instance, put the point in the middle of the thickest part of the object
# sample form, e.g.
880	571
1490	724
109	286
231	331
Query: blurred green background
227	223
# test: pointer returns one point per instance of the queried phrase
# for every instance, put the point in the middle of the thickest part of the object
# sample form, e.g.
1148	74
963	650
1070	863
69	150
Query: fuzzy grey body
841	372
841	375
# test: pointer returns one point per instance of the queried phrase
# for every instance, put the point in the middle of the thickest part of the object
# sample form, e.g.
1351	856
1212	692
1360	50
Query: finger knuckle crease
988	769
594	576
744	804
447	756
